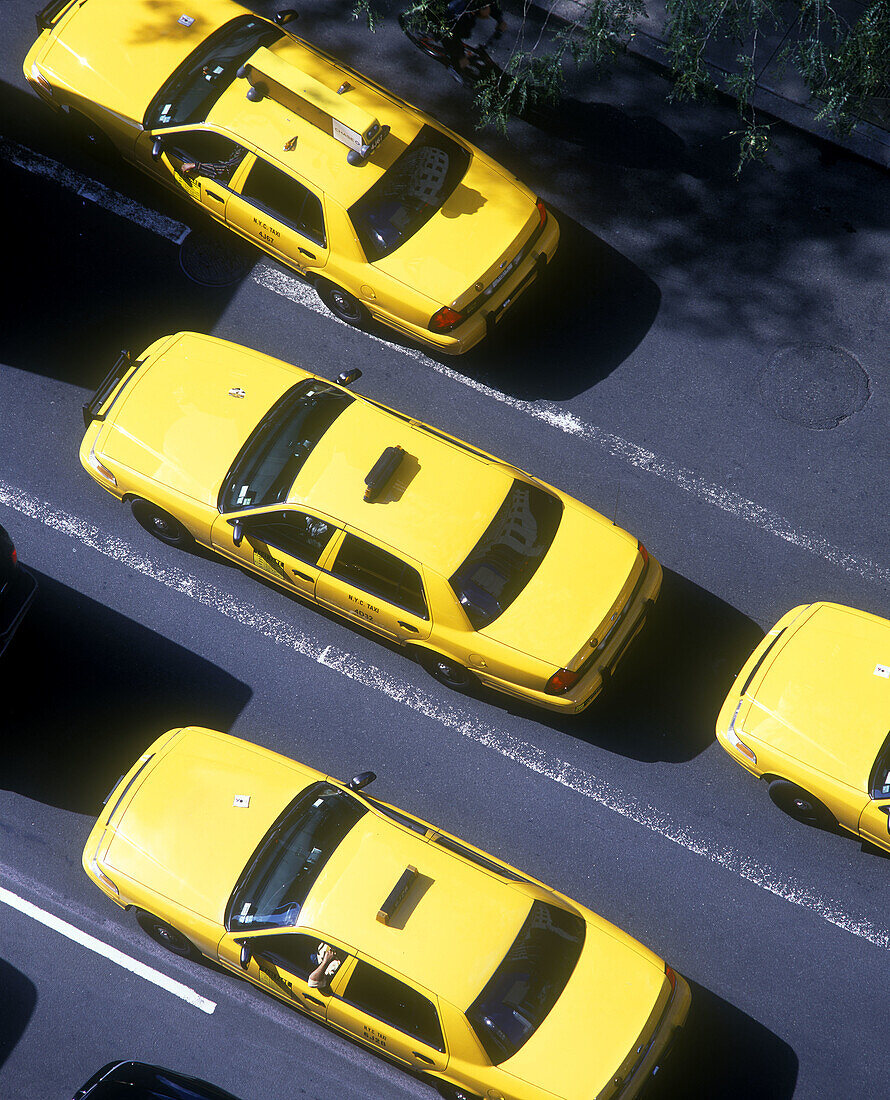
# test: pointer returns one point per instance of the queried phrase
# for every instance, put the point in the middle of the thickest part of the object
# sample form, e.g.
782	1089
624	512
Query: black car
17	589
138	1081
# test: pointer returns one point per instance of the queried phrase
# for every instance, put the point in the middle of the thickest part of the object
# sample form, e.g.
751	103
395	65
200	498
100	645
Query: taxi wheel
160	524
342	304
801	805
447	672
166	935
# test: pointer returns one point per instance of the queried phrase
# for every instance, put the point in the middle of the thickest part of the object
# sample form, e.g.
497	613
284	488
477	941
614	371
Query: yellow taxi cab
445	960
387	213
485	572
809	714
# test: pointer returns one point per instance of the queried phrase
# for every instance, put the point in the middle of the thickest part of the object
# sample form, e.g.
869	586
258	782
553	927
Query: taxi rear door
388	1015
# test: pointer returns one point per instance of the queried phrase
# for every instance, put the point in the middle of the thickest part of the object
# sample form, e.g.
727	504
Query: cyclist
463	15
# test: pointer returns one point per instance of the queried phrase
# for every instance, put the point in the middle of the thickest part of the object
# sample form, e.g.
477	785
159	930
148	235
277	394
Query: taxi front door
280	214
283	543
375	588
198	162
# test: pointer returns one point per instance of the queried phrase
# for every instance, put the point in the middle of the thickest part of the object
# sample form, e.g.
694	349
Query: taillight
644	552
671	977
542	212
561	680
445	319
15	556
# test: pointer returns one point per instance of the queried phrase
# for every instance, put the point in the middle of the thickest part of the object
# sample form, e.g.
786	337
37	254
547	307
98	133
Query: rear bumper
638	1084
17	597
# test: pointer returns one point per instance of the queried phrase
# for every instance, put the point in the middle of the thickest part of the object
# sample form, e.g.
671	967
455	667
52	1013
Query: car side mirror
286	15
347	377
245	956
361	780
157	147
237	531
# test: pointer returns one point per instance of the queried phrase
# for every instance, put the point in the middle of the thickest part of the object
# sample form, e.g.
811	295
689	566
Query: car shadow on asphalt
722	1052
89	690
87	281
19	996
663	699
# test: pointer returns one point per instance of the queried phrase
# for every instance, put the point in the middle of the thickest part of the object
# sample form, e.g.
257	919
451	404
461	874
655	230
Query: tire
801	805
427	44
166	935
448	672
160	524
343	305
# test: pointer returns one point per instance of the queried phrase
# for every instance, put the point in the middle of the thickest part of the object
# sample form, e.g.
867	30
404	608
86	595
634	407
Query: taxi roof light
382	472
397	895
310	99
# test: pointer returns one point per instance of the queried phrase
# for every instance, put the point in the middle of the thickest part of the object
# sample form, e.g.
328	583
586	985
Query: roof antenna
617	498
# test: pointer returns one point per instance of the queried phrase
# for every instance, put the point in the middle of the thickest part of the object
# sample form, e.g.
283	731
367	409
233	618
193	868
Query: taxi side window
394	1003
296	533
381	574
294	953
285	199
215	155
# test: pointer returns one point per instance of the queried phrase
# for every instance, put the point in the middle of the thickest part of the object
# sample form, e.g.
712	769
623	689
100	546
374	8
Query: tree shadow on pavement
92	690
722	1052
18	997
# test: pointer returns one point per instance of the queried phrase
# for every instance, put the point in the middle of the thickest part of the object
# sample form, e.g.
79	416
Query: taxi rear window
409	192
197	84
528	983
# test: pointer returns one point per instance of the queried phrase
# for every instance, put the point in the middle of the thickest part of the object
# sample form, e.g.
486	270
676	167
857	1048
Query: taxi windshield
505	559
529	981
270	460
408	193
275	883
187	96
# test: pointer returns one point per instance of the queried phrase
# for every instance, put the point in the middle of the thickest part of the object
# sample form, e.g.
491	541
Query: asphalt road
706	361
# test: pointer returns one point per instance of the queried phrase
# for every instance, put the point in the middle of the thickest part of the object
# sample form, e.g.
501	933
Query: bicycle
479	67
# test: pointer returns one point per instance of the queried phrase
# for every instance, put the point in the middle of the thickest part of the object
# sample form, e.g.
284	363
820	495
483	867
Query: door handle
423	1058
305	253
312	1000
213	195
408	626
302	576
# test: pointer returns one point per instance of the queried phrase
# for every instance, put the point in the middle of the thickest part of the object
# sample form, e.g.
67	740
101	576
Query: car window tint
297	954
387	999
214	155
374	570
285	199
296	533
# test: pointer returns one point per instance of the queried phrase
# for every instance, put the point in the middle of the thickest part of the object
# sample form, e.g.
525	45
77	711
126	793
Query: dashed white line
93	191
107	951
547	412
452	717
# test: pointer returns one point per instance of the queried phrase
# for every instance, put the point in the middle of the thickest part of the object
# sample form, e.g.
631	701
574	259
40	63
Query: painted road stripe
680	477
107	952
535	759
93	191
547	412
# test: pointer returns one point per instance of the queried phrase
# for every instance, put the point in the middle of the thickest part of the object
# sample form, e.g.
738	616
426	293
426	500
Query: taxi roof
434	509
317	156
451	932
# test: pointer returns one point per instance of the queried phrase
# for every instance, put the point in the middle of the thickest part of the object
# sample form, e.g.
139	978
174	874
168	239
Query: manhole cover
213	261
816	385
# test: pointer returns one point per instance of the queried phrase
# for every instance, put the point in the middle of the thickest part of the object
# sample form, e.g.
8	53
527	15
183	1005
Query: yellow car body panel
478	252
196	803
814	710
168	433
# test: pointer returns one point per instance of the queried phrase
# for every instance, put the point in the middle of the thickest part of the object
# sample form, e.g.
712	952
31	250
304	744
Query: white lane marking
93	191
107	952
452	717
681	477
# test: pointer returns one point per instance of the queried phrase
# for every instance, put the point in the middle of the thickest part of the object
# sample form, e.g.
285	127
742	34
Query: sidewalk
780	91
